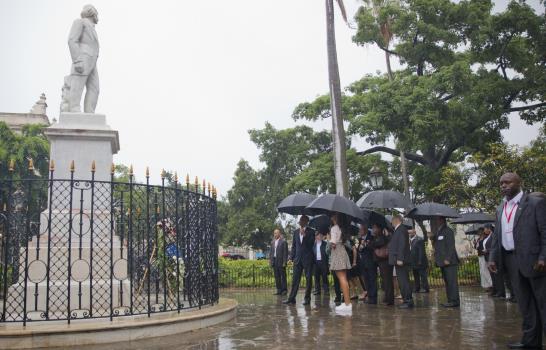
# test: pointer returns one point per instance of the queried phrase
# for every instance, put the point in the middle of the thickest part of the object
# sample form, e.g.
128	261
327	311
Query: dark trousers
280	277
386	276
369	275
449	273
531	296
402	273
321	276
421	279
337	287
299	269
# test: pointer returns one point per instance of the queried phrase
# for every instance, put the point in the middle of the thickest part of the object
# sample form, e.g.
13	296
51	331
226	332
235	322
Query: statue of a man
83	43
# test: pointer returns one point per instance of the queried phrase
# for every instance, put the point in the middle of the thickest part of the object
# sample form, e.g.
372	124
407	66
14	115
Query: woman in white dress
485	276
339	259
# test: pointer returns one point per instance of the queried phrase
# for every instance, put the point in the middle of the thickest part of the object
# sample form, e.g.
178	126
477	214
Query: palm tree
338	130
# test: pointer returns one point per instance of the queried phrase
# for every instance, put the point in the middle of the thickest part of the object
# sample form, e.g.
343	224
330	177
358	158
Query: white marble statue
83	43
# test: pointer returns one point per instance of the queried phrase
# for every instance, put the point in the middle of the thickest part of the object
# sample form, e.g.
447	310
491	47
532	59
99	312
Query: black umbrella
384	200
429	210
329	203
473	230
295	203
322	224
474	218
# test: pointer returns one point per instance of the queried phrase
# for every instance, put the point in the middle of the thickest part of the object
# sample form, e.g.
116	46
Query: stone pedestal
82	138
86	262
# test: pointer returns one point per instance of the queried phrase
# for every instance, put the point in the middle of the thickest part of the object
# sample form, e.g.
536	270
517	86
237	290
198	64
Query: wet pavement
263	322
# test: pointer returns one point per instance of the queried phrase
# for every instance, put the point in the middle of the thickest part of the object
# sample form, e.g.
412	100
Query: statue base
82	138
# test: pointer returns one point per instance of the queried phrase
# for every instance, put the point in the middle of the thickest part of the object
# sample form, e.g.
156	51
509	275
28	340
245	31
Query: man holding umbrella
301	255
445	257
399	257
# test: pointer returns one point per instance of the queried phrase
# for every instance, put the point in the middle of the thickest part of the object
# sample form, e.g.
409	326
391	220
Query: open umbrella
427	211
329	203
384	200
295	203
474	218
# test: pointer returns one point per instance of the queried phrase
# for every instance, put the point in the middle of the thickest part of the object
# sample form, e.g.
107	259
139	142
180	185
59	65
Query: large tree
465	70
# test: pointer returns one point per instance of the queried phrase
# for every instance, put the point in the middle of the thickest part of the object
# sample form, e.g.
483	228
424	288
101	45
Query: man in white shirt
278	258
320	265
519	246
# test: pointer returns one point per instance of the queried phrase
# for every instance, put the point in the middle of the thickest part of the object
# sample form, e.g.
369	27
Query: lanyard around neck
508	216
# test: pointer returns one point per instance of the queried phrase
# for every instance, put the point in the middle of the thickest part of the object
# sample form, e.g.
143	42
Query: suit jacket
399	246
365	252
323	255
529	235
444	247
302	252
418	254
83	44
487	248
282	253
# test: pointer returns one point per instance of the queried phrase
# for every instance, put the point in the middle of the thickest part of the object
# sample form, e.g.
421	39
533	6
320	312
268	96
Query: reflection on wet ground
263	322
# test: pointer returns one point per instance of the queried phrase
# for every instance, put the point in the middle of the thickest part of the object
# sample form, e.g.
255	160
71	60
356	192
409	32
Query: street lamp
376	177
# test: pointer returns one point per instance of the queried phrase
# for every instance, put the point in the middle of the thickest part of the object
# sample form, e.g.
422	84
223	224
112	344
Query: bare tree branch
523	108
411	156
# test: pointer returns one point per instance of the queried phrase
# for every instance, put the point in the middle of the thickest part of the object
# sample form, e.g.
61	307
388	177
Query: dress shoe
289	301
284	292
512	300
316	292
500	296
306	302
405	306
450	305
523	346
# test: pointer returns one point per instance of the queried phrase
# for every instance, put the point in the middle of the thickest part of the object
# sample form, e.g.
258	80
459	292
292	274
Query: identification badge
440	238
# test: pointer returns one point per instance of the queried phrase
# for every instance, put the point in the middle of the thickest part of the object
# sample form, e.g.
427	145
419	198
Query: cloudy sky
183	81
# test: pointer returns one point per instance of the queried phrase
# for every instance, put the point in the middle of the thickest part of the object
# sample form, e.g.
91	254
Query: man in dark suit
500	278
399	257
278	257
419	262
321	267
368	266
301	255
519	245
445	257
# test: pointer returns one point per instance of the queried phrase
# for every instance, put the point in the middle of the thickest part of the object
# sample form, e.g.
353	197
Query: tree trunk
389	70
338	130
403	167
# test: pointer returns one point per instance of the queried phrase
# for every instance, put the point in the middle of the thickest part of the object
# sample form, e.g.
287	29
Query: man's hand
492	266
446	262
399	262
540	266
78	67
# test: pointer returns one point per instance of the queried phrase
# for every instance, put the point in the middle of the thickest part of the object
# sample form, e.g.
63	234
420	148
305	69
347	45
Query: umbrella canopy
474	218
329	203
322	224
429	210
295	203
384	200
473	230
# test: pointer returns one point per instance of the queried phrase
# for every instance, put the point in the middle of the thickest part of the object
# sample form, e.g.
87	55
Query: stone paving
263	322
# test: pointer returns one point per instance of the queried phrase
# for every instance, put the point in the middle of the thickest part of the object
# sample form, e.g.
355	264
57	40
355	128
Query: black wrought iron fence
74	249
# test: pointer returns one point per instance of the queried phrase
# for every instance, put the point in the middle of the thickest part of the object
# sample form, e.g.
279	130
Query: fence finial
204	186
93	166
72	167
196	183
147	172
112	168
187	180
52	165
12	164
131	170
175	177
163	173
30	164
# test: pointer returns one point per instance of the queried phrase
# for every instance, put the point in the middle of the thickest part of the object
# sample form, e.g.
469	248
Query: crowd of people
512	254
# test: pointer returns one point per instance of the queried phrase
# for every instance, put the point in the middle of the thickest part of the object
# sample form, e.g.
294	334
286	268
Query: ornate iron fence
75	249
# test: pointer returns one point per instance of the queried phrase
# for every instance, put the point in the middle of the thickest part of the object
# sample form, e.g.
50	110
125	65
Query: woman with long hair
339	259
379	244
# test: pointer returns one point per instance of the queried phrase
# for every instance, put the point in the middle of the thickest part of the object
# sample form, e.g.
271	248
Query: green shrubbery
258	273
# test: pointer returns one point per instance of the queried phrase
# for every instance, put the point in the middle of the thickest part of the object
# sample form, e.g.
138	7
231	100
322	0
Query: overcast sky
183	81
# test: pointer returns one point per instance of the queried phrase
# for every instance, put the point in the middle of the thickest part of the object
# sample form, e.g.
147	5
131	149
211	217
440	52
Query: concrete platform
124	329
